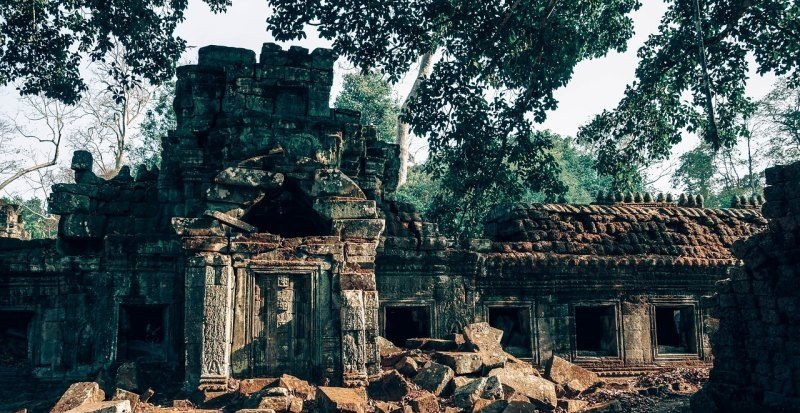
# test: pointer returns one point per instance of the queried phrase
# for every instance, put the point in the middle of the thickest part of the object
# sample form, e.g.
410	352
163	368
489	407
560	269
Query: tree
113	106
777	123
441	201
158	120
44	43
372	96
403	138
32	142
500	64
691	78
696	173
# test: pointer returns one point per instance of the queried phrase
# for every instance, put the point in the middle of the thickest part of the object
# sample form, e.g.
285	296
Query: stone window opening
675	329
14	327
404	322
142	333
516	325
287	215
595	331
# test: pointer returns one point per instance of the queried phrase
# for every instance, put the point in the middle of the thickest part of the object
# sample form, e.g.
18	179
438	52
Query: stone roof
652	231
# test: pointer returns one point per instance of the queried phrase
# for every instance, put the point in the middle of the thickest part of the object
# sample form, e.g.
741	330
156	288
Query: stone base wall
458	287
757	348
78	308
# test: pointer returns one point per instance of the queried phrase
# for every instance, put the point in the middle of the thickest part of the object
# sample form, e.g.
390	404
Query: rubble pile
469	372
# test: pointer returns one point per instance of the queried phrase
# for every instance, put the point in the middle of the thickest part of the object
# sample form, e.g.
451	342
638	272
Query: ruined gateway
269	243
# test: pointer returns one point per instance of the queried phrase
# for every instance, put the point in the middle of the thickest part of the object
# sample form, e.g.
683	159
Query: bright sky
596	85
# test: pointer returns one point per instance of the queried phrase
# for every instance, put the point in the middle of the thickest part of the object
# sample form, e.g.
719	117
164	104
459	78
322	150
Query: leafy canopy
499	63
371	95
43	42
691	78
439	202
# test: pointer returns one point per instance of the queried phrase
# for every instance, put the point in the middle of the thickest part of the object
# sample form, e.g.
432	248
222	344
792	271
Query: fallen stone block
465	396
296	405
425	403
340	399
613	406
489	406
482	388
572	406
407	366
279	403
120	394
386	348
250	386
574	378
387	407
485	339
461	363
436	344
389	387
147	395
520	407
117	406
481	335
78	394
182	404
459	381
538	390
434	378
297	387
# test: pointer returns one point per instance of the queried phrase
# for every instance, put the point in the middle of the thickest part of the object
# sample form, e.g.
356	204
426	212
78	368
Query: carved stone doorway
277	331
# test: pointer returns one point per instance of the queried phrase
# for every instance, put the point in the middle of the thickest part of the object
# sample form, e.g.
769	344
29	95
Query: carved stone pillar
209	319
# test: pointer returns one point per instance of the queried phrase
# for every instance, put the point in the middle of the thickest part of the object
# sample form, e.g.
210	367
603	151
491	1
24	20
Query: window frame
615	306
697	318
530	307
427	304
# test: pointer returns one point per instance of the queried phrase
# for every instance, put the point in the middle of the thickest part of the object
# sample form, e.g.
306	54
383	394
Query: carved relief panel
274	328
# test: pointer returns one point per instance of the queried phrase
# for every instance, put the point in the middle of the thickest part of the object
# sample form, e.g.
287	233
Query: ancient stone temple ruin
270	242
756	366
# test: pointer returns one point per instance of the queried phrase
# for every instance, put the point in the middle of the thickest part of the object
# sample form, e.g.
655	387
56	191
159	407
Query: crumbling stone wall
11	225
756	364
275	197
547	261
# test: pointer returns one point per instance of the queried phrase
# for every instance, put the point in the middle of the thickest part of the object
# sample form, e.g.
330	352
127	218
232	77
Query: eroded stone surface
77	395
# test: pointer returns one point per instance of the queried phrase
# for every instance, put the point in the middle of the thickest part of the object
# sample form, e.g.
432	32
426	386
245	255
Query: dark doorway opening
595	331
287	215
402	323
675	330
14	339
516	325
142	333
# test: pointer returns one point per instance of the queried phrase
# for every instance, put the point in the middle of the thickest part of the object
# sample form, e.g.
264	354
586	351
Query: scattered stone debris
512	387
77	395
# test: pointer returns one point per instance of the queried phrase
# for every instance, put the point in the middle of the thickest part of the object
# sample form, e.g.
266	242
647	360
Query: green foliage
696	174
371	95
714	175
35	218
777	120
691	80
499	64
44	42
158	121
460	212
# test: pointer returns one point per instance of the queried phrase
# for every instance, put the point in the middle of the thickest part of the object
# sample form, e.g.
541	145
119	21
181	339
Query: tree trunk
403	128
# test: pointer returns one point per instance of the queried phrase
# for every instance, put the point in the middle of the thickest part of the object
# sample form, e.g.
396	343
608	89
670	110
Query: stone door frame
311	272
